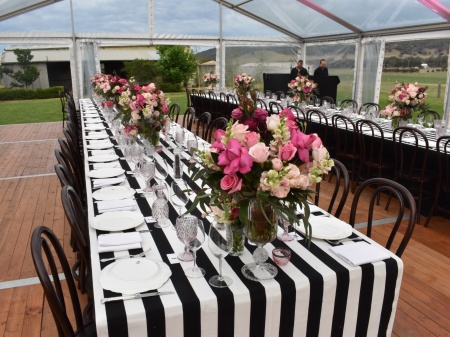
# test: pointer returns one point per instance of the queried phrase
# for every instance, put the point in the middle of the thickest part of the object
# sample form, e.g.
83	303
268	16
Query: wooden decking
30	197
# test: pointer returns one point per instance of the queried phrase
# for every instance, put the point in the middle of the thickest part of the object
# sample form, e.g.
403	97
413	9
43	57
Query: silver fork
126	257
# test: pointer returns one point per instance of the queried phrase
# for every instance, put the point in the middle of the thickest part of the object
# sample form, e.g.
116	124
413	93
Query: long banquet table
316	294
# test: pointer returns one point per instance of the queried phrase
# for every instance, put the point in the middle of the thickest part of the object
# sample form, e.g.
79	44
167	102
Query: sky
196	17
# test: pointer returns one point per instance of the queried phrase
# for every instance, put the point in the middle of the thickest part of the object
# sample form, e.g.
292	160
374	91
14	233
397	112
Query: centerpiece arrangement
211	79
404	99
141	109
260	170
302	89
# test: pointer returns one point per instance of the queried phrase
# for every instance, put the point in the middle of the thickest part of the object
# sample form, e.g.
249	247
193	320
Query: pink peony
237	113
239	131
260	114
251	139
231	182
277	164
235	158
259	152
286	152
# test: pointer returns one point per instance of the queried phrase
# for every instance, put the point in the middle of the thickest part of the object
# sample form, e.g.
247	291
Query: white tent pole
220	51
376	95
358	72
446	115
74	59
97	58
151	21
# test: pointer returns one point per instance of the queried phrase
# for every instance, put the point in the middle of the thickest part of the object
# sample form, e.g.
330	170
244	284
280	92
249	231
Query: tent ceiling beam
438	8
257	18
30	7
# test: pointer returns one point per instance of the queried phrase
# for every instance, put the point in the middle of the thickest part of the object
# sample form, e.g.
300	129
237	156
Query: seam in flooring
29	176
30	141
25	282
380	221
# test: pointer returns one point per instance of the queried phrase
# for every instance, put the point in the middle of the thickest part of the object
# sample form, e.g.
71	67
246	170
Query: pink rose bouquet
302	88
211	79
275	163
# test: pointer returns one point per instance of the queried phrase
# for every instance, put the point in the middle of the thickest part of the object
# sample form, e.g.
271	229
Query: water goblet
317	102
148	172
179	194
196	238
285	236
420	121
149	149
220	246
160	207
161	170
184	227
137	153
429	120
179	137
338	105
192	146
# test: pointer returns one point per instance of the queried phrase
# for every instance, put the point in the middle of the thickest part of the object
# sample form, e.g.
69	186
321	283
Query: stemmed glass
285	236
192	146
196	236
179	137
161	170
317	102
179	194
148	172
137	153
149	149
338	105
182	228
220	246
429	120
160	207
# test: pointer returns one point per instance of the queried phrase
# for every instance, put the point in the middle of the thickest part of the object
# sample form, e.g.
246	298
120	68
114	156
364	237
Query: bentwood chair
369	107
219	123
375	187
202	125
317	123
328	99
232	103
411	151
188	97
63	100
174	112
349	103
261	104
429	112
341	186
275	108
46	250
188	118
442	201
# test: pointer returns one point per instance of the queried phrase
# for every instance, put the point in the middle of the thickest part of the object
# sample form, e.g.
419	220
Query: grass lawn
30	111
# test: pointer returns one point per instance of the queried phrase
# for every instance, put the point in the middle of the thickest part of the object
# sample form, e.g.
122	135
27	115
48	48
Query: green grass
180	98
32	111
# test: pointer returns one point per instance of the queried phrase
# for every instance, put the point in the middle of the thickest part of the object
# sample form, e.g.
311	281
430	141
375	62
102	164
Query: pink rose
218	143
283	190
260	114
235	158
287	152
292	125
316	143
288	114
237	113
239	131
259	152
251	139
319	154
272	122
294	172
277	164
303	143
231	182
301	182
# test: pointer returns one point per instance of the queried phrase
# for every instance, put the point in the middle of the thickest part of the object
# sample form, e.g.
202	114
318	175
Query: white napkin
106	165
99	141
118	241
116	205
359	253
97	152
107	181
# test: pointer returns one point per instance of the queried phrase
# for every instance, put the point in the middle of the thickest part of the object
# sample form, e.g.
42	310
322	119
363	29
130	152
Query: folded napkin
108	151
116	205
118	241
106	165
99	141
107	181
359	253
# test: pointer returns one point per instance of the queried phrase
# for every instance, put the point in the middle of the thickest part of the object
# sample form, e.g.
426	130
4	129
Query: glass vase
236	230
261	228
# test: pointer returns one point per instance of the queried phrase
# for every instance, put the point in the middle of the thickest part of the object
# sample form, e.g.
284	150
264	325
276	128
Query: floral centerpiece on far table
263	158
302	89
404	98
109	87
211	79
143	109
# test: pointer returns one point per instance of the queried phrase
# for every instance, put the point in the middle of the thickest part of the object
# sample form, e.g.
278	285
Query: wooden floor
30	197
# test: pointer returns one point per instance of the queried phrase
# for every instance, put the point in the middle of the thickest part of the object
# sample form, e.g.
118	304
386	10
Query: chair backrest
261	103
275	108
298	112
43	244
174	111
64	175
218	123
328	99
350	102
342	178
369	107
188	118
371	141
63	100
267	93
429	112
188	96
280	94
73	146
346	135
317	123
405	199
67	161
410	160
443	150
202	125
223	96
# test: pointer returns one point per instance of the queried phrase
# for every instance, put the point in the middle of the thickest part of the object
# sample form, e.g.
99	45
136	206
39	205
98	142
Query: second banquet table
315	294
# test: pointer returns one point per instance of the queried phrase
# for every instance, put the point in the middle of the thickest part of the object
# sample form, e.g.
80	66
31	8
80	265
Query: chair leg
433	208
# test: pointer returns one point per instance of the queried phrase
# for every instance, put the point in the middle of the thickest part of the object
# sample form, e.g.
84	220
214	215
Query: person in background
299	70
322	71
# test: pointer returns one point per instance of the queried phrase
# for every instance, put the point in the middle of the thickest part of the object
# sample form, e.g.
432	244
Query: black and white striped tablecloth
316	294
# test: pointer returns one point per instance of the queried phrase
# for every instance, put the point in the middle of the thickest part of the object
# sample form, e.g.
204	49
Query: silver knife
135	296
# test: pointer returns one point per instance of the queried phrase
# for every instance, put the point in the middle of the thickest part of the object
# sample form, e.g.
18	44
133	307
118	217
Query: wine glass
197	236
317	101
179	137
148	172
429	120
149	149
338	105
184	228
160	207
137	153
285	236
420	121
161	170
167	127
220	246
192	146
179	194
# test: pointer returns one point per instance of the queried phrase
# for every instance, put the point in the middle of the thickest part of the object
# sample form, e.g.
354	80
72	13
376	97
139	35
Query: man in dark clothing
322	71
299	70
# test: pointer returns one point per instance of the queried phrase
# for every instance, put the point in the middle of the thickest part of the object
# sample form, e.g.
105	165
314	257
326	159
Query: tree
177	64
28	73
143	71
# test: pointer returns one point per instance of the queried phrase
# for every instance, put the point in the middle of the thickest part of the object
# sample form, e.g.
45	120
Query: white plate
97	136
327	228
93	121
117	221
113	193
99	146
136	275
103	158
94	127
107	172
